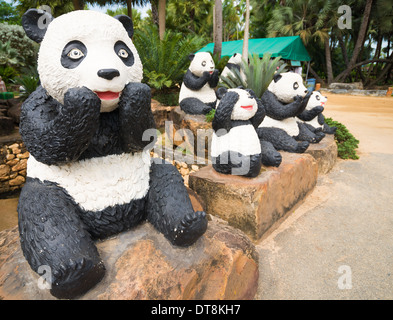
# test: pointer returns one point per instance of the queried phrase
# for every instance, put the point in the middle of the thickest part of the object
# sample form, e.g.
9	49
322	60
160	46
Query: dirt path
369	119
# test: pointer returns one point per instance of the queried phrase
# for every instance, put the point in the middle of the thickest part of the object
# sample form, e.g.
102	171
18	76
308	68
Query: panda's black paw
302	146
319	136
82	98
76	278
189	230
272	160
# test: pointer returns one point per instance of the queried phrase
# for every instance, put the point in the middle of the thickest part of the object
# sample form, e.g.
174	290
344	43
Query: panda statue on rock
236	148
312	115
89	175
286	98
197	94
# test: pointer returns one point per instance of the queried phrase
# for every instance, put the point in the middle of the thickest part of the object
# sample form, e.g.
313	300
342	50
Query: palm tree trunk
78	4
359	42
217	28
129	8
161	17
328	56
246	32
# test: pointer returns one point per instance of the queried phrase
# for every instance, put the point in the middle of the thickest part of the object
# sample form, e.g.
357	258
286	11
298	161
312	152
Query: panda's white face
202	62
316	100
288	86
246	107
91	49
236	59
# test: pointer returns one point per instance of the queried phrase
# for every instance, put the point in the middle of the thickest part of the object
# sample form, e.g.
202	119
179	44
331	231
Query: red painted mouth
247	107
107	95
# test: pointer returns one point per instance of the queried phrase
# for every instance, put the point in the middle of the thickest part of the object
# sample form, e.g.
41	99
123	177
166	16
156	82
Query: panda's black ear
127	24
221	92
277	77
235	54
35	22
191	56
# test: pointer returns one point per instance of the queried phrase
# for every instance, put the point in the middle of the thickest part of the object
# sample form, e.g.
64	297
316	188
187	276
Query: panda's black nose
108	74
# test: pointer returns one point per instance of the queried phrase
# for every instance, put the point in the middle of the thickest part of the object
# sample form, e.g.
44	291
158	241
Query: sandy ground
369	119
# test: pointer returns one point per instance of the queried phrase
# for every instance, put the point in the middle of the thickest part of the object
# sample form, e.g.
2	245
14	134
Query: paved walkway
339	243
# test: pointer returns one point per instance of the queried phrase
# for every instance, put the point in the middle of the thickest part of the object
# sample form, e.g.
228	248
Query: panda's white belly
314	122
242	139
206	94
289	125
98	182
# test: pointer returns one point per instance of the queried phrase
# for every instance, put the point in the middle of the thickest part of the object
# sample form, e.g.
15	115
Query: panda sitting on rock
236	148
89	175
197	94
286	98
312	116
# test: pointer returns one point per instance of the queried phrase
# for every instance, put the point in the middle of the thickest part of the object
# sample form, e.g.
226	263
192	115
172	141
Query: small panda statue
89	175
197	94
234	63
285	98
235	147
316	123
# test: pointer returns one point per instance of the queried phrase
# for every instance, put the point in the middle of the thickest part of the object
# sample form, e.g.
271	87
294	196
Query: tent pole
308	68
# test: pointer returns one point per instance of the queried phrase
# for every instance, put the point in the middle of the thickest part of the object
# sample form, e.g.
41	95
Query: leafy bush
164	62
258	74
346	142
27	49
7	73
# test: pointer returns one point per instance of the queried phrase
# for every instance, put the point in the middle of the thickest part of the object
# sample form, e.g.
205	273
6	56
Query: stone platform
325	153
141	264
254	205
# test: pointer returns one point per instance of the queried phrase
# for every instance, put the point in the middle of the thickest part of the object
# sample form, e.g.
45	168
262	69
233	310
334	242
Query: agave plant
255	75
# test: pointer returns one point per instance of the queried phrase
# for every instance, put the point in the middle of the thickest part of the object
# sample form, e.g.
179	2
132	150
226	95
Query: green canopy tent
288	48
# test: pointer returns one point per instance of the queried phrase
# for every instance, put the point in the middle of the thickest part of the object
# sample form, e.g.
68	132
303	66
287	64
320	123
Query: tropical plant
346	142
164	61
8	13
8	55
8	73
29	81
255	75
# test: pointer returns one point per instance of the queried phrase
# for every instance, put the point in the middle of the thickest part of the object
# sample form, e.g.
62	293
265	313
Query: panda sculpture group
89	175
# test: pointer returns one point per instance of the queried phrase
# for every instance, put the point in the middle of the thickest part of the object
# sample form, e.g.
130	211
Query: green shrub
258	74
210	115
164	62
169	98
346	142
26	49
29	81
8	73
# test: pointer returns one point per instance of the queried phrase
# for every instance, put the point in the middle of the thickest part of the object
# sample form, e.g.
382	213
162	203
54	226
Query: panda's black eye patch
295	86
318	98
124	53
73	54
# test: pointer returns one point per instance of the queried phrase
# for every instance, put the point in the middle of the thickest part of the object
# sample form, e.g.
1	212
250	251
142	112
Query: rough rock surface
142	264
255	205
325	153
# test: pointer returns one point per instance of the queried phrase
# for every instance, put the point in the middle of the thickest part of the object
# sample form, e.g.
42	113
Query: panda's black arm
222	117
321	119
215	77
257	119
308	115
137	126
54	133
276	110
193	82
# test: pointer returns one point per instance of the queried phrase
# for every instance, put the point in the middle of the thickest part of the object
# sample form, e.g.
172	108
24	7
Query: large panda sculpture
197	92
316	122
235	147
286	98
89	175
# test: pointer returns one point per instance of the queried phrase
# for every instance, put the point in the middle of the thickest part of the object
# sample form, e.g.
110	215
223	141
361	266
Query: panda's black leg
169	207
52	235
282	140
194	106
237	164
270	156
305	134
329	130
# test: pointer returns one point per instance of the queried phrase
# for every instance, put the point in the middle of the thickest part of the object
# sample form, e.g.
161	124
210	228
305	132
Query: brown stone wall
13	164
